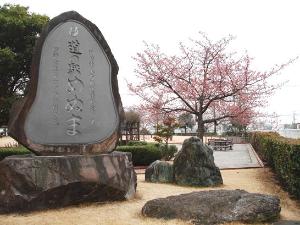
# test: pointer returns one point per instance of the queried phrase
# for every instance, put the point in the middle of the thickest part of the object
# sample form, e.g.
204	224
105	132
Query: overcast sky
268	30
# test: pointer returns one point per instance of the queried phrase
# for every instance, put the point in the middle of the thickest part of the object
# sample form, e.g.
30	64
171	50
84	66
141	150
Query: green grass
20	150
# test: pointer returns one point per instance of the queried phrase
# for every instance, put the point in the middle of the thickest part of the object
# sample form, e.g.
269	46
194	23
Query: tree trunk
215	122
184	129
200	124
138	131
215	127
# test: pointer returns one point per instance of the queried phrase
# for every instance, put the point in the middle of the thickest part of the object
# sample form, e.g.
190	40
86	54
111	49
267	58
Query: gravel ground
258	180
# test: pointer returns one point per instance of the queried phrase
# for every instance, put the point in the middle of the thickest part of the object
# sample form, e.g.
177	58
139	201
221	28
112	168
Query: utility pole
294	118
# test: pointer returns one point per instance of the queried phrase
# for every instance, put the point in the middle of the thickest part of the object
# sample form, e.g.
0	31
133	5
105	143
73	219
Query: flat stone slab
215	207
41	182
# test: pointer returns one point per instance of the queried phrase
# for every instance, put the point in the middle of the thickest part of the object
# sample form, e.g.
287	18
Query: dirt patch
129	212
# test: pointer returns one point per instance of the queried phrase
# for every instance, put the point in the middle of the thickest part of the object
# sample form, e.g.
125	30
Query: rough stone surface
160	171
39	182
215	207
194	165
73	104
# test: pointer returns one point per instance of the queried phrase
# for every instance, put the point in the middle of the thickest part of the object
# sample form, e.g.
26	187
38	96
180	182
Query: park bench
218	144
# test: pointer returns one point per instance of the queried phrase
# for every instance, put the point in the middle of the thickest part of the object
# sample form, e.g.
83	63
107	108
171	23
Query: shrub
142	155
122	142
167	152
283	155
136	143
4	152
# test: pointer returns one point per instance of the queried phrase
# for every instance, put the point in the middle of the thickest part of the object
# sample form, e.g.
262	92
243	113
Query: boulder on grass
41	182
215	207
160	171
194	165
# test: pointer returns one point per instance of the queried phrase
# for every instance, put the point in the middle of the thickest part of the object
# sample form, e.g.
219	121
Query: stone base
40	182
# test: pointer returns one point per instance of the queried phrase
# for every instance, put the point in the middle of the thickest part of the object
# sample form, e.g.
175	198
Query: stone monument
73	105
70	119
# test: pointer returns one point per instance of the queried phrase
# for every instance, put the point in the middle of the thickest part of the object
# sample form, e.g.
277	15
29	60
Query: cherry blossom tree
151	113
185	120
204	79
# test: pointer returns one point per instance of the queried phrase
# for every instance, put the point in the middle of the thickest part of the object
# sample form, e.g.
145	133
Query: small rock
160	171
194	165
215	207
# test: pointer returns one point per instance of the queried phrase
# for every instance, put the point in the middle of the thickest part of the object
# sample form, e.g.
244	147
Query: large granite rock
160	171
194	165
73	104
39	182
215	207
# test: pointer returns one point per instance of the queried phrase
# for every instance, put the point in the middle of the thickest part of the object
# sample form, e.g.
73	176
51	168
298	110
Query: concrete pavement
7	142
241	156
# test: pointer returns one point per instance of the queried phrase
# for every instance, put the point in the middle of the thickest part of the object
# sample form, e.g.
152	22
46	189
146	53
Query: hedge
283	155
167	153
124	142
136	143
142	155
4	152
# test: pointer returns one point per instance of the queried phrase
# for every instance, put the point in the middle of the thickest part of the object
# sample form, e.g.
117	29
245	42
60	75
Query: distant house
291	126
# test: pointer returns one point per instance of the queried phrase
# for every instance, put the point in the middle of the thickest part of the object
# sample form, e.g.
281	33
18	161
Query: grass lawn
20	150
129	212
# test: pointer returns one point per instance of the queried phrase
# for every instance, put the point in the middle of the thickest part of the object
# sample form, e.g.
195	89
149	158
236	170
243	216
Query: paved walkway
7	142
241	156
